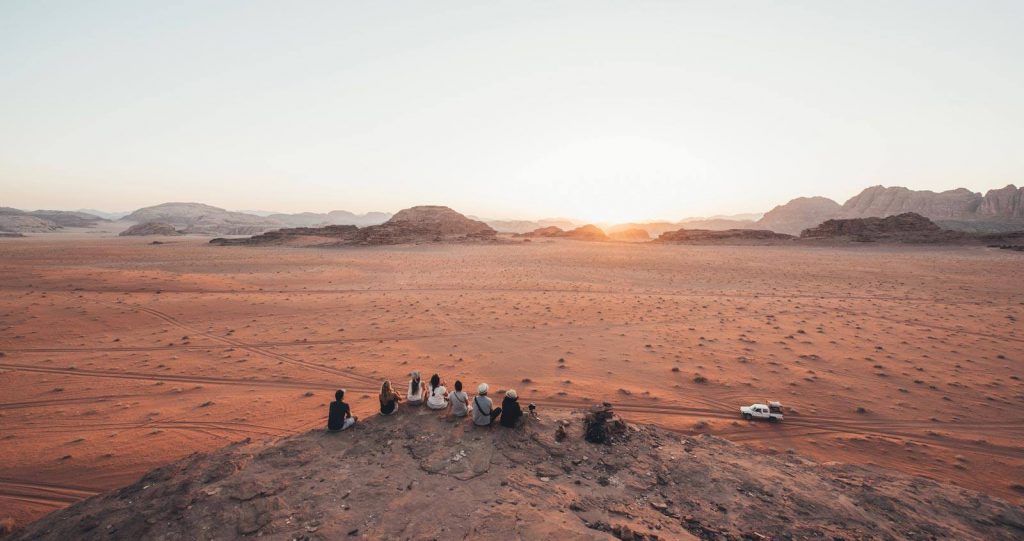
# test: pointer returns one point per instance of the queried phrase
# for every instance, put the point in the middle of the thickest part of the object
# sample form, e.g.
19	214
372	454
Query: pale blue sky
606	111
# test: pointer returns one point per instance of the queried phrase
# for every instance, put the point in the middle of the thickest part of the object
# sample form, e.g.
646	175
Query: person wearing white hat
417	389
484	412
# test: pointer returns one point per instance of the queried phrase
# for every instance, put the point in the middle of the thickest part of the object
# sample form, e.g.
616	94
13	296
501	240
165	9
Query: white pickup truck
772	411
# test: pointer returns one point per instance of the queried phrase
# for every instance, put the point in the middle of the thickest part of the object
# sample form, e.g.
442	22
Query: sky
602	111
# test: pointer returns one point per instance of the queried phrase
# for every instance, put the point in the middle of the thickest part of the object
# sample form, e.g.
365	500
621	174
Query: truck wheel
772	420
748	416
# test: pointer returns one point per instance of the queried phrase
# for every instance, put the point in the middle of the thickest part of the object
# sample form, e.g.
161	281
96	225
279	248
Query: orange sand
120	355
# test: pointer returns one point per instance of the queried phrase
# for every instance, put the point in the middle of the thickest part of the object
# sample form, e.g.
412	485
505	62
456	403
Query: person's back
459	400
339	416
482	410
388	399
437	399
511	413
416	390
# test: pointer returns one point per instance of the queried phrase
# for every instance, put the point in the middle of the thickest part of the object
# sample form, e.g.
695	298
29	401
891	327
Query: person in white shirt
438	397
459	401
417	389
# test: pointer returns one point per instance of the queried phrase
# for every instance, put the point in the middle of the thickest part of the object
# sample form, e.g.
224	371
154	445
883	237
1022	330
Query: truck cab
771	412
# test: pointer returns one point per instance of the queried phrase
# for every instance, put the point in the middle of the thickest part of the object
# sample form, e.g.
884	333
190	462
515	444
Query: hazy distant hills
997	210
197	218
799	214
525	226
41	221
334	217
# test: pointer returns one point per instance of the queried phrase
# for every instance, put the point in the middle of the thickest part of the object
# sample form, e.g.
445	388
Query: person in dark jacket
511	413
339	417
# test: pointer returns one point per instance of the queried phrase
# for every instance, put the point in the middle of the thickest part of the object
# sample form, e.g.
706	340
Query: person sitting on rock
389	399
484	412
339	417
416	389
438	398
459	401
511	413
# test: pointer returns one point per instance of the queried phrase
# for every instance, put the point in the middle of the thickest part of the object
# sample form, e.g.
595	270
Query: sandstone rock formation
880	201
150	229
550	231
799	214
414	475
66	218
331	234
633	234
908	227
586	232
729	236
1006	203
427	223
423	224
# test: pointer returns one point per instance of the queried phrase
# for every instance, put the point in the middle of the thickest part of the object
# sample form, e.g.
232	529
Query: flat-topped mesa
729	236
908	227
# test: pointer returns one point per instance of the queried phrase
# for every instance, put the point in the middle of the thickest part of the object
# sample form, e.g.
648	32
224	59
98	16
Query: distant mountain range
961	209
197	218
997	210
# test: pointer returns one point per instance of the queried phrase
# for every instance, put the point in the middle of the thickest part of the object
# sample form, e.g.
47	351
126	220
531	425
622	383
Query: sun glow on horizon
614	179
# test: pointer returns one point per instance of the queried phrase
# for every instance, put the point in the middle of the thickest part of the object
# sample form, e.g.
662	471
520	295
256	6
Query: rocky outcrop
633	234
1005	203
382	480
799	214
550	231
880	201
729	236
150	229
908	227
331	234
427	223
199	219
587	232
416	225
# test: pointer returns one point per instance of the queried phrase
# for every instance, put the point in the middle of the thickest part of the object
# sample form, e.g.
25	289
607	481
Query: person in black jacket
339	417
511	413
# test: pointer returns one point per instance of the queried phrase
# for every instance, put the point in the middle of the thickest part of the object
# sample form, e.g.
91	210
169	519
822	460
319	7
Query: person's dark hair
435	382
458	385
339	394
414	386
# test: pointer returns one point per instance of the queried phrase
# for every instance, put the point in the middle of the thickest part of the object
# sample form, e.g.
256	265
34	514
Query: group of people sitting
436	397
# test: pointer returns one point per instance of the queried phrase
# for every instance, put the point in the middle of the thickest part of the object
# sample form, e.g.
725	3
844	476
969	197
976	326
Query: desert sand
120	355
